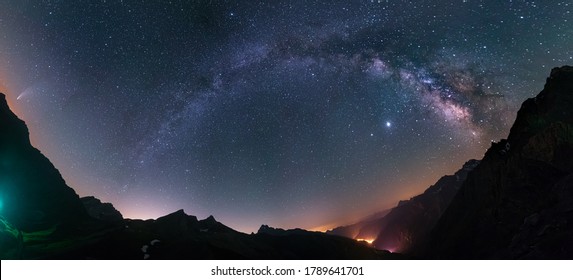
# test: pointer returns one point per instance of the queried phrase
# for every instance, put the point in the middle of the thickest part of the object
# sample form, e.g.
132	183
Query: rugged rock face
101	211
33	193
517	203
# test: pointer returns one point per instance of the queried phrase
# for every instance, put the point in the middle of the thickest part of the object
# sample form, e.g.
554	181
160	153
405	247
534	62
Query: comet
25	93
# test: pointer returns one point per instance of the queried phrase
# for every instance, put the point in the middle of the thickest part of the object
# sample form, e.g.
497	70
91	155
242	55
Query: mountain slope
412	220
518	202
399	228
33	194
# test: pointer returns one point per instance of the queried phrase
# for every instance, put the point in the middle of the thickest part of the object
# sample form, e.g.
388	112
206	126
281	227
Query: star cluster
288	113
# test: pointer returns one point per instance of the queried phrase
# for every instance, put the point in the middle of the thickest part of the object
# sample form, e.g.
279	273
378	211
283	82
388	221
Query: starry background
288	113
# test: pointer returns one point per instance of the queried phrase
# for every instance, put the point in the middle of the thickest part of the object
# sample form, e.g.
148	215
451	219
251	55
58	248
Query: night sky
288	113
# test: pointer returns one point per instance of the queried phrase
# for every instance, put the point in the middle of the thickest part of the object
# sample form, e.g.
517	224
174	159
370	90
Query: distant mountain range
43	218
517	202
407	224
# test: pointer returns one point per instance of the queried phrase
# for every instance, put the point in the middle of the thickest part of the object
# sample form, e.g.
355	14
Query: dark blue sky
287	113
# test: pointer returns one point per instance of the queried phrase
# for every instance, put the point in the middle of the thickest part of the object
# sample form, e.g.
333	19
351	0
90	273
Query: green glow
1	204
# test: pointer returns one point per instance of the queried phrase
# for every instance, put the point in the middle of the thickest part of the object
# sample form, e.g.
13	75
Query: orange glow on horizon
322	228
407	191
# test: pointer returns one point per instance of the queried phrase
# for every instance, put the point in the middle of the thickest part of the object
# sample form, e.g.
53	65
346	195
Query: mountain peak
563	70
210	219
552	104
13	131
3	102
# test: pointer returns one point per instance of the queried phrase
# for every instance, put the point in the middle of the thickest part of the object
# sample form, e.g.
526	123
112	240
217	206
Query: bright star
388	124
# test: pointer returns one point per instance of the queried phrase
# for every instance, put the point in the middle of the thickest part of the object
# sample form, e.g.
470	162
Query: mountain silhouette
43	218
518	202
515	203
34	196
181	236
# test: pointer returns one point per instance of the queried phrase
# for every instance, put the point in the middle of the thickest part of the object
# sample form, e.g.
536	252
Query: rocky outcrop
101	211
517	202
34	195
